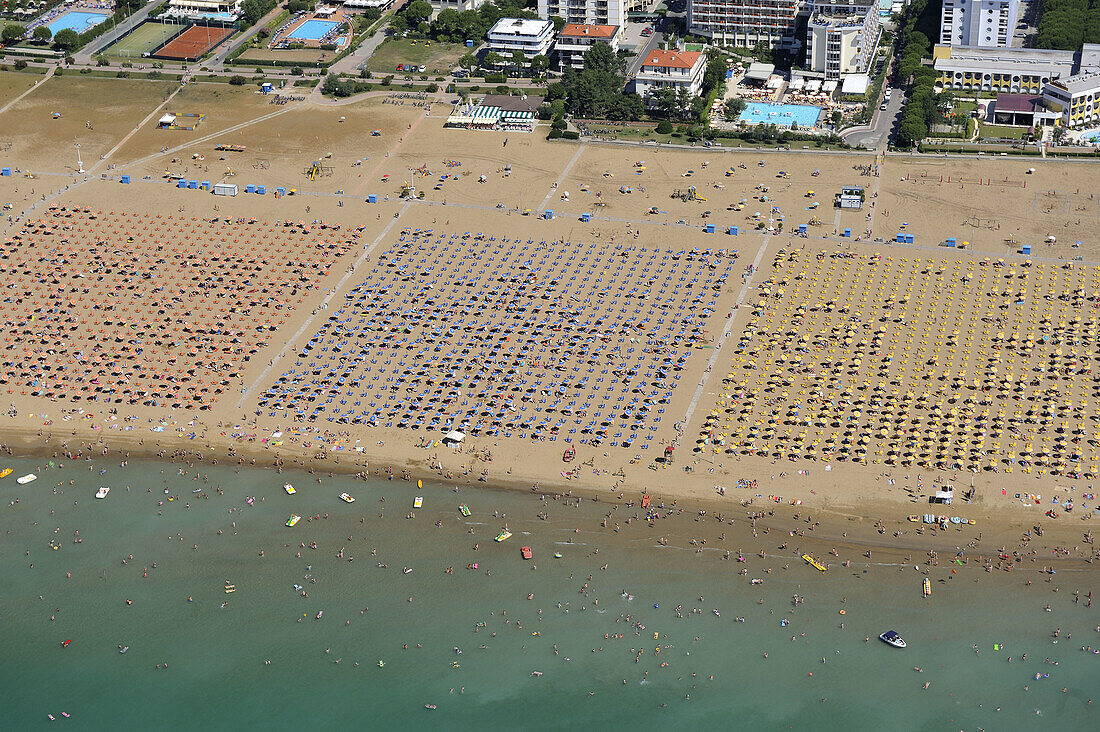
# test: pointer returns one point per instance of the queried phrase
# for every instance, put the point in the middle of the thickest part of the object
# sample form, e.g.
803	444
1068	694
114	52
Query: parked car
882	107
423	68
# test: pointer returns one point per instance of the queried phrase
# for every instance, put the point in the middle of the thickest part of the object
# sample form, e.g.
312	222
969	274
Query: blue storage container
733	231
250	188
181	183
372	198
262	190
125	179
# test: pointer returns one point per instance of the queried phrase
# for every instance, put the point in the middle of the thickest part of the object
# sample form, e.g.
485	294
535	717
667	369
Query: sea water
470	642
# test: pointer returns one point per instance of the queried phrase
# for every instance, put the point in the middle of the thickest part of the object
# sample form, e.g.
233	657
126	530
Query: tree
238	80
12	33
493	59
417	12
665	100
683	100
66	40
519	59
467	61
664	127
42	34
734	107
539	65
600	57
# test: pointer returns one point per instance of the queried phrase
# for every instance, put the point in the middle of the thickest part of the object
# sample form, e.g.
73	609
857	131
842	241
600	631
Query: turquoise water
312	30
1092	136
77	20
216	675
783	115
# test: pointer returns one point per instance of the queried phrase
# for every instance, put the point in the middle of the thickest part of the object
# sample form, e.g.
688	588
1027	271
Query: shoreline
893	535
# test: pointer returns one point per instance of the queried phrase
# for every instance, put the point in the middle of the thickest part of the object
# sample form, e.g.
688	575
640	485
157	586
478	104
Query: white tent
454	436
855	84
797	82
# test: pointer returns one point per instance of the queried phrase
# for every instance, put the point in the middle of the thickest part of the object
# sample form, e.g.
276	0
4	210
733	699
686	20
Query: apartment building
1076	99
677	69
459	5
532	37
981	23
745	23
840	45
574	41
588	12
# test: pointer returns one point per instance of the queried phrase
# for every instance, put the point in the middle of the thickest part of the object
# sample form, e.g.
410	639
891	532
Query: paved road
882	125
85	54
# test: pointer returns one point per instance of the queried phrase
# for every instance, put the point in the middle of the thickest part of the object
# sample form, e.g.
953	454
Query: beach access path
15	101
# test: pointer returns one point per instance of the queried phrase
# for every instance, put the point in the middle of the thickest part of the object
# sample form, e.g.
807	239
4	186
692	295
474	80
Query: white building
201	7
590	12
532	37
459	5
1076	99
364	4
983	23
1009	70
744	23
574	41
840	45
678	69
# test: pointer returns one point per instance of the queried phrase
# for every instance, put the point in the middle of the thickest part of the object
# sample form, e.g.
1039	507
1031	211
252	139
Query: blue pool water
77	20
783	115
313	30
1092	136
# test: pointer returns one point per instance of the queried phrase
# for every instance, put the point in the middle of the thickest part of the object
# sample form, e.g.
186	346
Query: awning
855	84
759	72
168	119
455	436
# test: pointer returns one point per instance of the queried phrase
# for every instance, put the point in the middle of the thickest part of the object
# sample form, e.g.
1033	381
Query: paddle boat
525	552
504	534
814	563
294	518
5	472
927	587
289	489
914	518
568	455
891	637
229	589
347	498
102	492
26	479
464	509
557	555
418	502
65	643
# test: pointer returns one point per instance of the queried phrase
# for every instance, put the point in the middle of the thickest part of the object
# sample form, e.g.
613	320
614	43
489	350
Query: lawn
1012	133
440	58
295	55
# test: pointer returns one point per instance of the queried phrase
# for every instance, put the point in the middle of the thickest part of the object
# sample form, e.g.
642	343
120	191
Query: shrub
664	127
297	70
20	64
123	74
554	135
570	135
237	80
433	87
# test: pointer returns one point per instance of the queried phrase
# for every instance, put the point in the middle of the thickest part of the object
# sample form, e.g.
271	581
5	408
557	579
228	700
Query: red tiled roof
580	30
672	59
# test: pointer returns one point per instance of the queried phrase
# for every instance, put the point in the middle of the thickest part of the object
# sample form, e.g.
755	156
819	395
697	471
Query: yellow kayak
814	563
927	587
5	472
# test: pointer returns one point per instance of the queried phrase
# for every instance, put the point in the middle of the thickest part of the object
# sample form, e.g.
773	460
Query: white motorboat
26	479
102	492
892	637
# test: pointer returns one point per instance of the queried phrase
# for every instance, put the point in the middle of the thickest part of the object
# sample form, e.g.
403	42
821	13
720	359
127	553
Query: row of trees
66	39
253	10
1066	24
454	26
596	91
923	107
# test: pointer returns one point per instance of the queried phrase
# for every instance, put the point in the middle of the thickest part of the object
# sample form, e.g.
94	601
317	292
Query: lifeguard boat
568	455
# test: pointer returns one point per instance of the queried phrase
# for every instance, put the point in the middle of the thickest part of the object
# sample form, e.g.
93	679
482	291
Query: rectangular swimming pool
782	115
312	30
77	20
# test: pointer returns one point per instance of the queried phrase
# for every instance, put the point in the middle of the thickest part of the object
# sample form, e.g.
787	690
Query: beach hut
5	171
732	231
124	179
225	189
372	198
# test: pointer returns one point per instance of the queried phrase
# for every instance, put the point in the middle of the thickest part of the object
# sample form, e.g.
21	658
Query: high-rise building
588	12
981	23
745	22
837	45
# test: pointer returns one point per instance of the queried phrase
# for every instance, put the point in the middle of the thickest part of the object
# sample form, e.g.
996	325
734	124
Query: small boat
914	518
294	518
557	555
429	706
124	649
418	502
289	489
420	484
814	563
230	589
464	509
65	643
5	472
320	613
504	534
347	498
102	492
927	587
26	479
568	455
525	552
893	639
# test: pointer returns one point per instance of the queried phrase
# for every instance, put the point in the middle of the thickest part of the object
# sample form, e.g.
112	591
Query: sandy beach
768	368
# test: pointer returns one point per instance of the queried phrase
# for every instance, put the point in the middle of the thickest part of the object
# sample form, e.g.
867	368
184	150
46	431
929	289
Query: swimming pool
77	20
783	115
1091	136
312	30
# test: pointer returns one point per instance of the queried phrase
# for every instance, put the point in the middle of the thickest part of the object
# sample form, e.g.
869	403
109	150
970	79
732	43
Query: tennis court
145	39
194	42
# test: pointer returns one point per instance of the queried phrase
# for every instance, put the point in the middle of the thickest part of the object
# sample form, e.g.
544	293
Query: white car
423	68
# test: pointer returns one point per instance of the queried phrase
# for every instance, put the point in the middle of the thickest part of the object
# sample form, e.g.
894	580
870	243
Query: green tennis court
148	37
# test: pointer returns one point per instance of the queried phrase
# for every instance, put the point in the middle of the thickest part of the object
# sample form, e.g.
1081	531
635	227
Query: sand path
137	128
15	101
322	308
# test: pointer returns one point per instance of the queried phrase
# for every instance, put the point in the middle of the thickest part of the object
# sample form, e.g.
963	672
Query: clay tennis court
193	43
